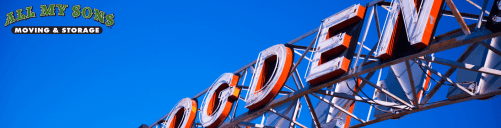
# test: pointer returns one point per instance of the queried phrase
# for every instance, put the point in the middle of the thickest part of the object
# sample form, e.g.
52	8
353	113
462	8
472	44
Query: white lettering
85	30
17	30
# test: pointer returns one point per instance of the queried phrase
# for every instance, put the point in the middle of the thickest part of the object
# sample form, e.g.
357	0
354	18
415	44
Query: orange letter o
183	115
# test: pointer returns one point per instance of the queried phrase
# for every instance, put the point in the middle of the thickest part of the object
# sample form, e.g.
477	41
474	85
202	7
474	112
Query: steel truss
471	35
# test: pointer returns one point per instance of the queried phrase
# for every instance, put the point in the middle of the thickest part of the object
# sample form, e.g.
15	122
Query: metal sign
337	81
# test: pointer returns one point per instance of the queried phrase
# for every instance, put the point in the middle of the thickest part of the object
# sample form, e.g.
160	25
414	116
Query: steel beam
434	47
451	34
458	17
365	47
447	78
160	120
464	15
197	125
242	87
386	7
339	107
290	88
304	54
295	115
297	46
361	99
375	2
240	93
374	96
245	67
465	66
287	118
281	92
298	78
200	93
476	5
488	46
439	104
240	97
296	82
301	55
234	109
385	92
362	85
364	36
384	3
449	72
413	87
308	101
255	125
303	36
370	53
482	14
312	111
376	18
379	35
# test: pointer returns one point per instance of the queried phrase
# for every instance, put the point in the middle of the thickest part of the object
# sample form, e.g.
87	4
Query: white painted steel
400	72
491	83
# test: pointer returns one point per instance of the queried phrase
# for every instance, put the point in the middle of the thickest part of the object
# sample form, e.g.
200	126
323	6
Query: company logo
50	10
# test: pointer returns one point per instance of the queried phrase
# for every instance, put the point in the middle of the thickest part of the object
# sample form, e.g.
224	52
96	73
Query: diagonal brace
287	118
411	80
385	92
340	108
465	66
447	78
361	99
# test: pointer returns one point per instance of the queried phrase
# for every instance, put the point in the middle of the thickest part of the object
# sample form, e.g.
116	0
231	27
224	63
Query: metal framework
471	35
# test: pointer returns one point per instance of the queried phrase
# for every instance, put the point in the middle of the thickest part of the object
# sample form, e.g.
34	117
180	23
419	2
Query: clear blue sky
159	52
